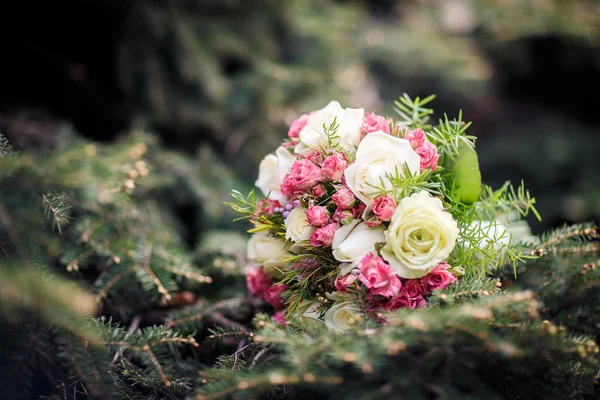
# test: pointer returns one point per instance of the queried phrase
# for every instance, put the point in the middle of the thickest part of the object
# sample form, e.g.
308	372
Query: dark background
231	75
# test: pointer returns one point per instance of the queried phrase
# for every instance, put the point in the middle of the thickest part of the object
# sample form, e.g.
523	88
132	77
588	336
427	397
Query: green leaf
463	174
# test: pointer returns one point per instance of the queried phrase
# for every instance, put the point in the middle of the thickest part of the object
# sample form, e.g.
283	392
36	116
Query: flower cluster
338	237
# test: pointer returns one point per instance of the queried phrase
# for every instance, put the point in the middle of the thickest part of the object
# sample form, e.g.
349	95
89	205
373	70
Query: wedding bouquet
364	214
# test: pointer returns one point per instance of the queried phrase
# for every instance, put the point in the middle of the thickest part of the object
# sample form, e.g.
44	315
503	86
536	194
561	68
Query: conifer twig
159	369
102	294
188	274
202	313
159	286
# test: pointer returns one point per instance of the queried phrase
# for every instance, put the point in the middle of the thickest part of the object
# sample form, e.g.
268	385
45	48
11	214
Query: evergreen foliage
236	69
95	214
485	337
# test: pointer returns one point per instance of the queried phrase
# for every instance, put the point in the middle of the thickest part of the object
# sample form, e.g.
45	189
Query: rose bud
374	123
297	125
344	199
345	281
344	217
383	207
333	167
323	237
257	281
416	138
438	278
317	216
429	156
319	191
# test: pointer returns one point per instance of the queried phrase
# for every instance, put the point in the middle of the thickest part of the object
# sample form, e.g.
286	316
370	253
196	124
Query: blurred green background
221	80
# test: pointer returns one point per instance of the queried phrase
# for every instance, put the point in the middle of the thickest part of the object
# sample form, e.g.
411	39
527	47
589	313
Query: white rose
379	154
296	225
312	135
353	241
273	168
421	235
342	316
268	252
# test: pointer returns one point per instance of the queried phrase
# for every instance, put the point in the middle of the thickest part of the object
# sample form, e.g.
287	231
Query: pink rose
416	138
342	283
413	288
316	157
374	123
303	175
358	211
333	167
383	207
344	217
319	191
279	317
376	275
343	198
257	281
402	300
266	206
323	236
419	302
317	216
273	295
297	125
438	278
429	156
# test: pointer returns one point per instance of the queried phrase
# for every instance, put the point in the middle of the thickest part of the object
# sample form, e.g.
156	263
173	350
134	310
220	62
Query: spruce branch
180	267
569	234
104	288
193	318
56	208
417	351
165	295
7	151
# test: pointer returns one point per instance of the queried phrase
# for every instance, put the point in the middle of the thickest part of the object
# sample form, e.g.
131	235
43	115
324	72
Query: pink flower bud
279	317
323	237
438	278
374	123
297	125
318	191
344	199
429	156
384	207
343	282
344	217
303	175
403	300
257	281
317	216
416	138
273	295
413	288
358	211
266	206
377	276
316	157
333	167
